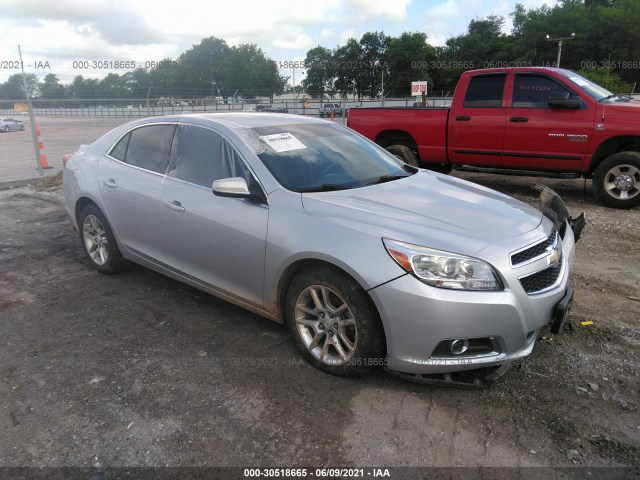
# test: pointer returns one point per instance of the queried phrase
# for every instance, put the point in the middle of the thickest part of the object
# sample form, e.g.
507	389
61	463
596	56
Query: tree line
606	48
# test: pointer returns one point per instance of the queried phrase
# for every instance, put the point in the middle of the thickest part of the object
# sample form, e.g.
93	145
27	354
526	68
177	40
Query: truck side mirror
559	98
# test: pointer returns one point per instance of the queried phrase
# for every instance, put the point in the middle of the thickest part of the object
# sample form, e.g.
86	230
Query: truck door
477	122
542	137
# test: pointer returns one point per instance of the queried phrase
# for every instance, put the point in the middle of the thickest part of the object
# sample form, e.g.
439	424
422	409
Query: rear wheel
405	154
333	323
616	181
98	241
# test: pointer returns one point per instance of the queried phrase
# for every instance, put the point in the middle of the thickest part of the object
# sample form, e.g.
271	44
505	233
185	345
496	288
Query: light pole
560	40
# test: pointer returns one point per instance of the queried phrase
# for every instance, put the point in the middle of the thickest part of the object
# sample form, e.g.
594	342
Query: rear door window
485	91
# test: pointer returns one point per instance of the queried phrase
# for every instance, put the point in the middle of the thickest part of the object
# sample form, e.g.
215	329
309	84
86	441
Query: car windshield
319	157
594	90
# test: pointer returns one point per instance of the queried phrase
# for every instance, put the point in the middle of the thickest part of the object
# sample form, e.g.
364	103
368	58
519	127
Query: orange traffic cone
43	161
332	115
43	157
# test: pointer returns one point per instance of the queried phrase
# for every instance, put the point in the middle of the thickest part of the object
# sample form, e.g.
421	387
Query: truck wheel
616	181
405	154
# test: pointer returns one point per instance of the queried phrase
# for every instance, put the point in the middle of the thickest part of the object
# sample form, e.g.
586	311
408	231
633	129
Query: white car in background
11	125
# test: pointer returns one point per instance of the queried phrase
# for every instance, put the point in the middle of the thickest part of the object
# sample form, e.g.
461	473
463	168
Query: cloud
69	10
365	10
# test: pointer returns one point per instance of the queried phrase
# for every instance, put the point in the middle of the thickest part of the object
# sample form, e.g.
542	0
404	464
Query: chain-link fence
64	125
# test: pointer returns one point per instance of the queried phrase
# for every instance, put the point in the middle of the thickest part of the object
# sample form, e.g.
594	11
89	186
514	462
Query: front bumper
419	319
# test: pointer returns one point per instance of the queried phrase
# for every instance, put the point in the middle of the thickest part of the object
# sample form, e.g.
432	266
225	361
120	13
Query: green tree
203	69
83	89
374	66
13	88
605	77
347	61
165	77
51	87
320	72
249	73
408	59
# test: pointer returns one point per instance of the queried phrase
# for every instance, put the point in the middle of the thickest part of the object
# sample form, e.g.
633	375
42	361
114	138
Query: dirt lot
140	370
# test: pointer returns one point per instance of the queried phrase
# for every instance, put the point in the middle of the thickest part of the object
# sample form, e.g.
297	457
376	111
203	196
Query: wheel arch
81	204
298	266
623	143
397	137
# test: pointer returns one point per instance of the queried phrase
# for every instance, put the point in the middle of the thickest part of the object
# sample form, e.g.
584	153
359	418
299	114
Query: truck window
485	91
532	91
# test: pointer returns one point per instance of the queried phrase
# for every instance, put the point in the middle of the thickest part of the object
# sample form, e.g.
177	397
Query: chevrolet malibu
367	260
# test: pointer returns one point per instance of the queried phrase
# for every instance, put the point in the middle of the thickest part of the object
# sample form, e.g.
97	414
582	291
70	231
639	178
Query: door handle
175	205
519	119
463	118
110	182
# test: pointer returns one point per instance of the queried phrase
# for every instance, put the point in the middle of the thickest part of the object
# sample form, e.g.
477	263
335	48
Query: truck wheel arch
612	146
396	137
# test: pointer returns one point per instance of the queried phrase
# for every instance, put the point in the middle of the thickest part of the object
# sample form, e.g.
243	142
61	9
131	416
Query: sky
95	33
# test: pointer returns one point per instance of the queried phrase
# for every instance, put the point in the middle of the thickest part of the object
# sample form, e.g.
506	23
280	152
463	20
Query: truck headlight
443	269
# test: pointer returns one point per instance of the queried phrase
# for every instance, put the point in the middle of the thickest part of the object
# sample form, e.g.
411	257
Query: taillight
66	158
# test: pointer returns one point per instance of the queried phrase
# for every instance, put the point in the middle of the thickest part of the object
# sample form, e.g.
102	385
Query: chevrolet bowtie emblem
555	255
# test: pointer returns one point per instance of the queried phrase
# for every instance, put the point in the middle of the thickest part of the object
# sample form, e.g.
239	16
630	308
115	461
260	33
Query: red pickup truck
539	121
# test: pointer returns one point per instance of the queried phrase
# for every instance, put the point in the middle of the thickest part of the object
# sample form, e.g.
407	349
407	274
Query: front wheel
616	181
98	241
333	323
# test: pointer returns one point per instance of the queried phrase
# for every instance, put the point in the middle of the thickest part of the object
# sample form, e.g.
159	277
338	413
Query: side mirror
235	187
561	99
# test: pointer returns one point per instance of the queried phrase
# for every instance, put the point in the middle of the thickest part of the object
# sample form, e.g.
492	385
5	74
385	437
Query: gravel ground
140	370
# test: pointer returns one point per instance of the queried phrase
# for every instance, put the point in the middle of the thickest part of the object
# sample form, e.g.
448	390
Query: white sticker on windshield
283	142
578	81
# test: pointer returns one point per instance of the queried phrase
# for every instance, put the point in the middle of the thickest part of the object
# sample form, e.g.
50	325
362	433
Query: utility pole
32	119
560	40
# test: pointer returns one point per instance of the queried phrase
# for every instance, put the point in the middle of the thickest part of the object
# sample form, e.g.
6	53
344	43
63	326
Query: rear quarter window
146	147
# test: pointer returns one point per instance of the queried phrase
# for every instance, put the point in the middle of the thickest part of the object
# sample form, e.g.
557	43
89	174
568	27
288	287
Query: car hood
428	209
632	106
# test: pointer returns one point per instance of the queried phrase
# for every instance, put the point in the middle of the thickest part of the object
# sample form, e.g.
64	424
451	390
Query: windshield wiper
387	178
325	187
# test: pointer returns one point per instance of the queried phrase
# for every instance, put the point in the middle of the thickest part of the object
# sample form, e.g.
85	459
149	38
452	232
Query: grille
542	279
533	251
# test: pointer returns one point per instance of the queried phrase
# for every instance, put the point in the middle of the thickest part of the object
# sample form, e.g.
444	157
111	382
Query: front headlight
443	269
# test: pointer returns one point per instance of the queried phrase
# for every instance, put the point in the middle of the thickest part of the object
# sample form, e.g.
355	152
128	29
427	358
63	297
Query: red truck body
540	120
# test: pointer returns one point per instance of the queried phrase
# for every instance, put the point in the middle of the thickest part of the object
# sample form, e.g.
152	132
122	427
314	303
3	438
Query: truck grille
541	280
534	251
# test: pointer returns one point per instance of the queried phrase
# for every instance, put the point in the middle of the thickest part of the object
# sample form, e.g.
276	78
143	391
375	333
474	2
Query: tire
98	242
22	128
616	181
322	115
405	154
333	323
6	129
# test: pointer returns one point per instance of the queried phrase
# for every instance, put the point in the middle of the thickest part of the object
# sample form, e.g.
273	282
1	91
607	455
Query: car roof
238	120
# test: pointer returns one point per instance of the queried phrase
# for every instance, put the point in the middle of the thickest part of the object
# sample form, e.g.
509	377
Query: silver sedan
367	260
11	125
